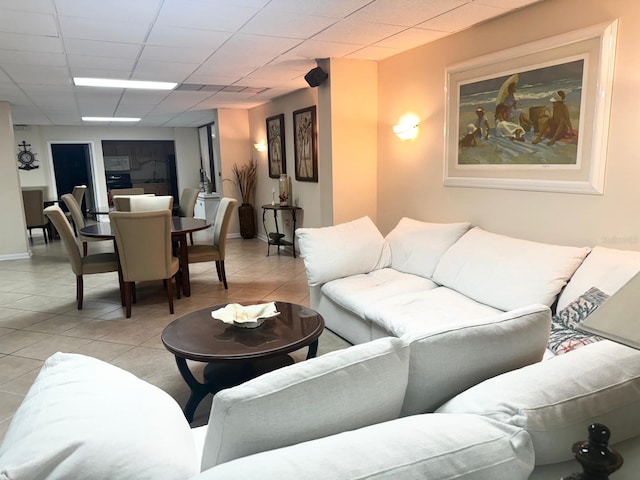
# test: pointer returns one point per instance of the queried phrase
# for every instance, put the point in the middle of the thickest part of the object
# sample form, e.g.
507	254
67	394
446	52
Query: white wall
410	174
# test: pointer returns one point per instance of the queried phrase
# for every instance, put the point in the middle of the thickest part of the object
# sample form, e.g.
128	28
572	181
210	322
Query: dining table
180	227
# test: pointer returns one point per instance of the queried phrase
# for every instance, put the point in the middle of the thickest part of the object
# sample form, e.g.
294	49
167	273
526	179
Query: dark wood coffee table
235	355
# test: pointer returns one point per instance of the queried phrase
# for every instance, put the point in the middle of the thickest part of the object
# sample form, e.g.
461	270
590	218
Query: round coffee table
235	355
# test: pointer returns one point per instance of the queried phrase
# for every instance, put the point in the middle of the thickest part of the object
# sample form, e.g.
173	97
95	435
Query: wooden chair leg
44	233
79	290
218	270
85	248
224	275
127	298
170	294
191	237
178	277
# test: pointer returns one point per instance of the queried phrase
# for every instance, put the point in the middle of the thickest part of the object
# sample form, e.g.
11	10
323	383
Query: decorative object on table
285	191
305	138
275	140
594	455
249	316
26	158
245	181
551	116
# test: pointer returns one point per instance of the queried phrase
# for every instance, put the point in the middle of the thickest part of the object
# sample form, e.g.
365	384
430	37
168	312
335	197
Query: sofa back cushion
338	391
604	268
557	399
341	250
416	247
506	272
434	447
84	418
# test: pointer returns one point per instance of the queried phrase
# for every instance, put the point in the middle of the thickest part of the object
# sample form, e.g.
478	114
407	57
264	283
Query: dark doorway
72	166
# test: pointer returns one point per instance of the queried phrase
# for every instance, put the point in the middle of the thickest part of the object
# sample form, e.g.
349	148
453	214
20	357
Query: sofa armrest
448	361
437	447
341	250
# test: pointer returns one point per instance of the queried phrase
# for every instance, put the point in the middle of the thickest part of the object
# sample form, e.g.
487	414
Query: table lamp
617	319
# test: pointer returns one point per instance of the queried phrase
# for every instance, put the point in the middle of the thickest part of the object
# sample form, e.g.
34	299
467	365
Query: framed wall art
275	146
306	144
534	117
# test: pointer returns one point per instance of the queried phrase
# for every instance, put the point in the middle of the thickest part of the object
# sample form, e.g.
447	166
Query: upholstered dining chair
216	251
143	203
126	191
78	221
78	193
33	201
95	263
143	240
122	203
187	206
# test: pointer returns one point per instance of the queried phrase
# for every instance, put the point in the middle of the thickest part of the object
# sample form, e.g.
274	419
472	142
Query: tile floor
38	314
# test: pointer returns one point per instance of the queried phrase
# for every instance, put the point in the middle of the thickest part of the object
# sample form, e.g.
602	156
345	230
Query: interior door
71	167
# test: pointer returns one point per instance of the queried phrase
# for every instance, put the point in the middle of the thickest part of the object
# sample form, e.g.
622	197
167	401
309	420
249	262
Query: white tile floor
38	314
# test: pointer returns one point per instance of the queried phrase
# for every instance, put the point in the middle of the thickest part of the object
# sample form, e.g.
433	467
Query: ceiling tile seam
56	18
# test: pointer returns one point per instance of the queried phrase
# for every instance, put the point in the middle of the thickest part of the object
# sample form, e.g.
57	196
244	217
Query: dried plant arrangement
245	180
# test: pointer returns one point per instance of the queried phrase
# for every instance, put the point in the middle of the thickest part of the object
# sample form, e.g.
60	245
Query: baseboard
16	256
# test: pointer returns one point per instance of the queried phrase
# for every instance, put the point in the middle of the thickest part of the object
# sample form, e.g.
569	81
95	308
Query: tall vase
247	217
285	194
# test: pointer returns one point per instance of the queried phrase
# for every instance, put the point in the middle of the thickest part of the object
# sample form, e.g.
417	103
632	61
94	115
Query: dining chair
187	206
142	203
95	263
126	191
79	222
122	203
216	251
78	193
33	201
143	240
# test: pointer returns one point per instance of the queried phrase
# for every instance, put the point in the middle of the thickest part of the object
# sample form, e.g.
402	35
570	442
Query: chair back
122	203
188	202
142	203
78	193
74	208
33	201
59	220
144	244
126	191
221	223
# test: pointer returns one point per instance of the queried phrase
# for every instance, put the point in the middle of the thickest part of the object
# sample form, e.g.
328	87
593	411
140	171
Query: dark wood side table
235	355
277	238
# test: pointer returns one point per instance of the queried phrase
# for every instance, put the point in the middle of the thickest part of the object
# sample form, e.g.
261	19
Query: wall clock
26	158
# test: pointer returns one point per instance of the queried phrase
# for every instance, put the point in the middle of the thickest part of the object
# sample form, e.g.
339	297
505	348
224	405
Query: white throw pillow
506	272
338	391
556	400
84	418
416	247
433	447
605	268
342	250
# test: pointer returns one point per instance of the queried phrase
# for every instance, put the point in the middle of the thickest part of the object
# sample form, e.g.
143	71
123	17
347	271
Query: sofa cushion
459	354
556	400
565	335
434	447
416	247
338	391
426	312
506	272
605	268
83	418
358	292
342	250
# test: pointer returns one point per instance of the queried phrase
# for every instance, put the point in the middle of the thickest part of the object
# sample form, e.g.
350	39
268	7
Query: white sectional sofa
445	380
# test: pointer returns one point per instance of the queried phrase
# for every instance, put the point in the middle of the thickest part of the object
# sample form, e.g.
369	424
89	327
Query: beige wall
13	236
410	174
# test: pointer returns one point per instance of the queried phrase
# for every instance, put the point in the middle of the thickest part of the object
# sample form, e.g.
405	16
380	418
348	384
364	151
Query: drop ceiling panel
411	36
326	8
32	58
122	64
312	49
95	29
177	55
405	13
42	75
204	14
30	43
143	11
274	23
163	71
35	6
12	21
166	36
462	17
351	30
96	48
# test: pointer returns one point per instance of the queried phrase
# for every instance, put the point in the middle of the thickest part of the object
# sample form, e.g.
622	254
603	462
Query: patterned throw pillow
564	335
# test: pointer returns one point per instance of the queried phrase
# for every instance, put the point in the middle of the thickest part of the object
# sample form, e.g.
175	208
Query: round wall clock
26	158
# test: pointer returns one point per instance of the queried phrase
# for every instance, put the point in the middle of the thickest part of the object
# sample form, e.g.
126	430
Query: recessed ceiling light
109	82
110	119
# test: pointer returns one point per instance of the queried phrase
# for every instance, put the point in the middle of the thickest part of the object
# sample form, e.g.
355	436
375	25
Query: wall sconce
407	127
261	146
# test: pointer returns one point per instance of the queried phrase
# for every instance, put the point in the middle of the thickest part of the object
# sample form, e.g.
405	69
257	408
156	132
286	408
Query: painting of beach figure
529	117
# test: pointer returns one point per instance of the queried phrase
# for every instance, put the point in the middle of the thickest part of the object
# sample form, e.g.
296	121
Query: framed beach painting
534	117
305	139
276	146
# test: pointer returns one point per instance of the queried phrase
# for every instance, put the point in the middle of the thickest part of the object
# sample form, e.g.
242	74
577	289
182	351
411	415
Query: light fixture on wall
261	146
407	127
